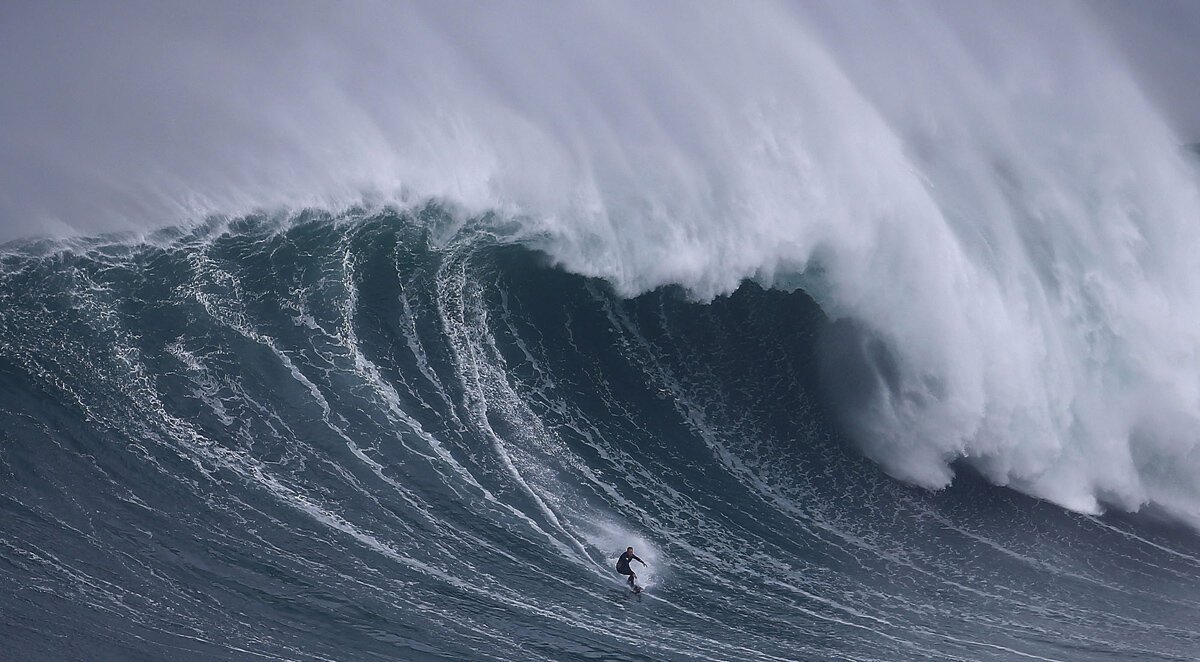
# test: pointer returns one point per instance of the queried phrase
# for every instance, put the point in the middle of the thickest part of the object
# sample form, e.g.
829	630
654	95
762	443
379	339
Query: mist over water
988	199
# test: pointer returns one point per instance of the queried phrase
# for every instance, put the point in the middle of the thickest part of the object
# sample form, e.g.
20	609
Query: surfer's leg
627	571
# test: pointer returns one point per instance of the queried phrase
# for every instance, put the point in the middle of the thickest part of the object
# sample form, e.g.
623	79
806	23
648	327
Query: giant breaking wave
987	198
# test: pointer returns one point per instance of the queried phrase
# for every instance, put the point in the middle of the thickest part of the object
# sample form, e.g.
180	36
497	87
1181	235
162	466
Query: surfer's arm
639	560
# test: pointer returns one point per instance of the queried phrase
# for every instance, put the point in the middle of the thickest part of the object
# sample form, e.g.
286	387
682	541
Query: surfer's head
629	549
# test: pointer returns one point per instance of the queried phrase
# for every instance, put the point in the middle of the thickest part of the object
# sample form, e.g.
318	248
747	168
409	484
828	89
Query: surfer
623	566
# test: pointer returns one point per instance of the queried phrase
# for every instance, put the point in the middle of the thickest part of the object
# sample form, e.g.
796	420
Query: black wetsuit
623	564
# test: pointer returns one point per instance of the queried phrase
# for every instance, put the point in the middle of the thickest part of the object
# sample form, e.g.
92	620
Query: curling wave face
398	434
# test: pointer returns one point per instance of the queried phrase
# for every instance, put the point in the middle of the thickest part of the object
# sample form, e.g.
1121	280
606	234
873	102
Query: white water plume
989	195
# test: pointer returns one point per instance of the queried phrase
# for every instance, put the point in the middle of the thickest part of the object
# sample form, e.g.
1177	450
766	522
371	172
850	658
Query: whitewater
378	332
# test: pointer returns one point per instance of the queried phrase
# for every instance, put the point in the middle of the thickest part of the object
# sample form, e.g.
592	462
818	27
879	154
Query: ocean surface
390	435
377	331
